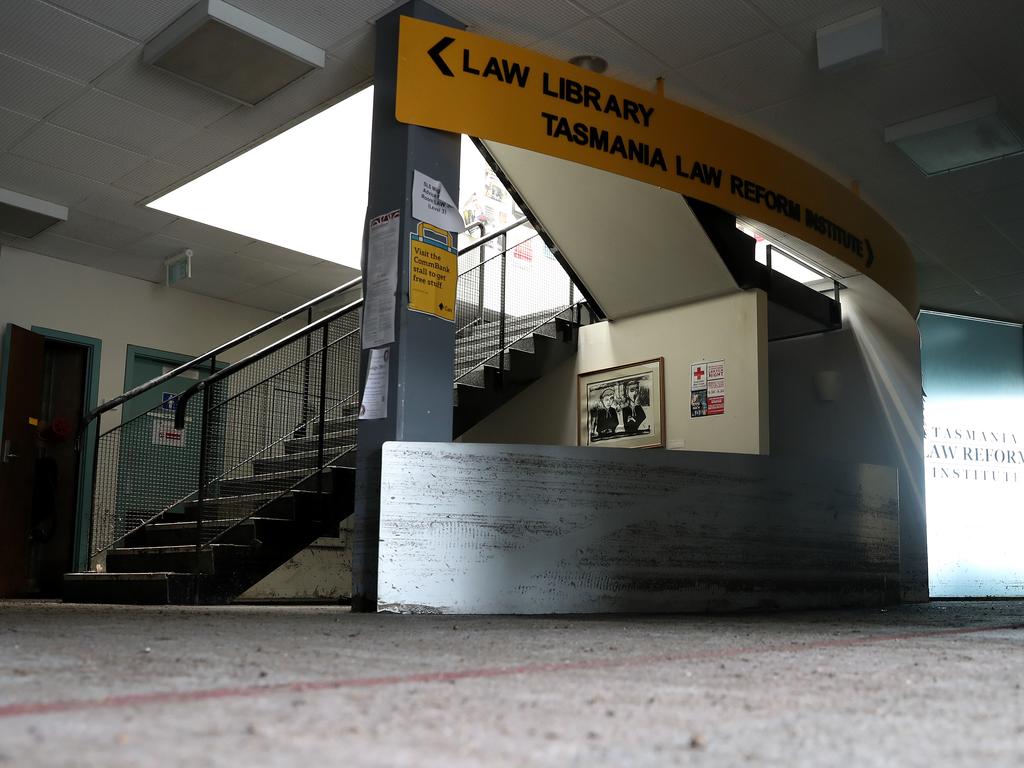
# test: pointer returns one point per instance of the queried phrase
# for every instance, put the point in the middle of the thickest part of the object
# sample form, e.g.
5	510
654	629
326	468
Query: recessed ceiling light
232	52
26	216
957	138
591	63
852	38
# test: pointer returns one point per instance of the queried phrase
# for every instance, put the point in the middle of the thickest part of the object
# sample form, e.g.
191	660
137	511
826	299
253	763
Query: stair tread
173	548
123	575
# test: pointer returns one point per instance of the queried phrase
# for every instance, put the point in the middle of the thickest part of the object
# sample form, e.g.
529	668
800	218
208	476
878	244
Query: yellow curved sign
465	83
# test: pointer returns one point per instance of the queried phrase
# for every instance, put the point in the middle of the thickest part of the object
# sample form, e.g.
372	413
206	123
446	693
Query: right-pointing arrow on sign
435	54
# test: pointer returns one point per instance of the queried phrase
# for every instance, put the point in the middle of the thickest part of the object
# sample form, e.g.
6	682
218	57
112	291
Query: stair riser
175	590
306	444
178	562
296	461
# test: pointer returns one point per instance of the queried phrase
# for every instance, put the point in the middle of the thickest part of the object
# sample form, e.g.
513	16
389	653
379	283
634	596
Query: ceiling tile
92	229
1014	306
151	177
596	37
309	95
317	280
112	119
216	287
269	298
783	12
39	33
275	254
1002	287
681	32
13	125
156	248
949	296
31	178
975	252
121	205
164	93
68	249
753	74
130	265
200	234
77	153
1004	208
201	150
919	86
509	22
932	276
599	6
252	271
320	22
137	19
31	90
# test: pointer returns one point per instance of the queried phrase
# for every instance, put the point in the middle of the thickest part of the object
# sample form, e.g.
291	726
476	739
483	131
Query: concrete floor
927	685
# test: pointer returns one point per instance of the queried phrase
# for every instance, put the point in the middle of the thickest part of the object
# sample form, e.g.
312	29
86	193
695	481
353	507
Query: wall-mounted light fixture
232	52
26	216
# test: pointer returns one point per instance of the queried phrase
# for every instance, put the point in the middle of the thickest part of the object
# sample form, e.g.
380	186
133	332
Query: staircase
271	466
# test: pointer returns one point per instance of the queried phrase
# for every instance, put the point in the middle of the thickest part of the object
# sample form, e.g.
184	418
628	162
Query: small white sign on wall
164	433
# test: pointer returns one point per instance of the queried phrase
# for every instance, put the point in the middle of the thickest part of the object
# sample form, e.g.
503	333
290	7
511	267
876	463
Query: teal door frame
87	454
134	352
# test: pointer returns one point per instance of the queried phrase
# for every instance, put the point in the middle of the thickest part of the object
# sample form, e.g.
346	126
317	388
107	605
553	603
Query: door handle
8	455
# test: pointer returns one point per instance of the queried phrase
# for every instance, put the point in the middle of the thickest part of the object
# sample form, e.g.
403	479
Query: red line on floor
173	697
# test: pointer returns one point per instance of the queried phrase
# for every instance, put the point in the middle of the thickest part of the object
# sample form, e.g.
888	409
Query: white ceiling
85	124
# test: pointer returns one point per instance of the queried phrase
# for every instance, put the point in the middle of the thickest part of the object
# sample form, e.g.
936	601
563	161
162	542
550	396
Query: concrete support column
421	357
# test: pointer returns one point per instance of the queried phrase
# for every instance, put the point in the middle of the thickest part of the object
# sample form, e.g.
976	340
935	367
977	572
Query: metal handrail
245	362
213	353
495	234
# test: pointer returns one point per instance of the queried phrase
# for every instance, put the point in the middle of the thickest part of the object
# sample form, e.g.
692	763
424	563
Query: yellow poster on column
433	273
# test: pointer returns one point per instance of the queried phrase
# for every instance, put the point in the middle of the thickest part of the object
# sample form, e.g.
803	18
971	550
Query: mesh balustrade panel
265	434
502	300
143	467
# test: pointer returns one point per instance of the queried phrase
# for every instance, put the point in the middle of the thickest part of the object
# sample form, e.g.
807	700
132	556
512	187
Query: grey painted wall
855	395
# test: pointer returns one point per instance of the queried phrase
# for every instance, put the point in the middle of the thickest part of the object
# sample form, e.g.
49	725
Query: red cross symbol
699	373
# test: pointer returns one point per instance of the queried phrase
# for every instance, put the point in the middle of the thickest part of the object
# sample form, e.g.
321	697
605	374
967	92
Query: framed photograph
622	407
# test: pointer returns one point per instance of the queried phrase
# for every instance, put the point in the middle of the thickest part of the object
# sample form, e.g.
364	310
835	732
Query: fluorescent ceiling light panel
851	39
26	216
957	138
305	189
232	52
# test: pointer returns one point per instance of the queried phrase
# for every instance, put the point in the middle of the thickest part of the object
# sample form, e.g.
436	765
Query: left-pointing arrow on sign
435	54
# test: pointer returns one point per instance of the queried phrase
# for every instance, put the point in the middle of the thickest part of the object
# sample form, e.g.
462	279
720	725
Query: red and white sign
164	433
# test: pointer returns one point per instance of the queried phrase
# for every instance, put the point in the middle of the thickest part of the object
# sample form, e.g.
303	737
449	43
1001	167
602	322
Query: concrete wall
731	328
624	530
855	395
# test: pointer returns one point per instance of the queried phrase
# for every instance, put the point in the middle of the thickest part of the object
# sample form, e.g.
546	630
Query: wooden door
18	455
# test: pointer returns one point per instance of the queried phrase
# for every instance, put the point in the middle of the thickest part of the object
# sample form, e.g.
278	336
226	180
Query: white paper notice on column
378	326
432	203
375	394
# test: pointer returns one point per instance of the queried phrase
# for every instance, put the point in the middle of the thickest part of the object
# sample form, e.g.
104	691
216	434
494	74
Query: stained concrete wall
550	529
731	328
855	395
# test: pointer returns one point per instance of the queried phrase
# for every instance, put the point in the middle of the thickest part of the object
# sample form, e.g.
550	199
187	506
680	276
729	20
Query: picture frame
622	406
